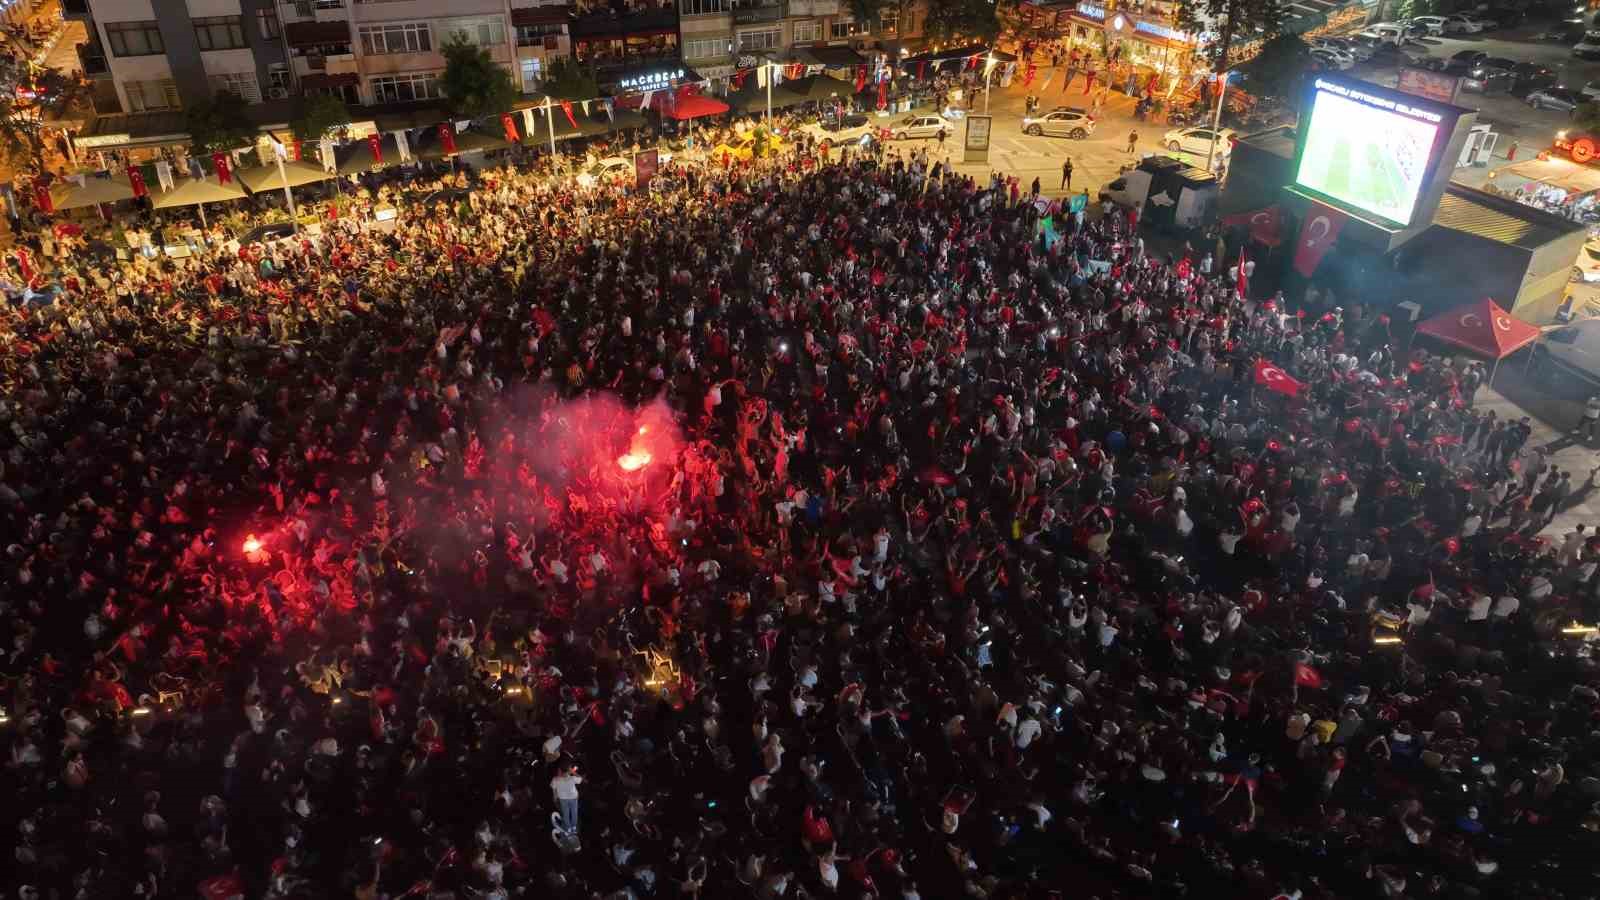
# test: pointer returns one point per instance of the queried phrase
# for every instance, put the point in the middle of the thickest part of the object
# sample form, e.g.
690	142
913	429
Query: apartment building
162	54
720	36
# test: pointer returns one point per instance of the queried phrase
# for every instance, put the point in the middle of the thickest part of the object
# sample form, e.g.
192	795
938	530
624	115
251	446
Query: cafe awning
94	190
694	106
258	179
356	157
194	191
428	145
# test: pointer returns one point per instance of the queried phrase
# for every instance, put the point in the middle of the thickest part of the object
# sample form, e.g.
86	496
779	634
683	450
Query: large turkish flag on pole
1276	379
1317	234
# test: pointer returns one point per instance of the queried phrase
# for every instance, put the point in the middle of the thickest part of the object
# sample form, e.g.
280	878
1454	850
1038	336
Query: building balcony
609	24
814	7
753	13
93	61
339	63
75	9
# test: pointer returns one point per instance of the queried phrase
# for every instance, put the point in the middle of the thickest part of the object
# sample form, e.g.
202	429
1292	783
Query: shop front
1136	40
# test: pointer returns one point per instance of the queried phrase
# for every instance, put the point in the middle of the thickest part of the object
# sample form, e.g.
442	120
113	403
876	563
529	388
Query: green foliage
866	11
316	116
219	125
1409	9
1236	22
473	84
951	21
1279	68
567	79
760	143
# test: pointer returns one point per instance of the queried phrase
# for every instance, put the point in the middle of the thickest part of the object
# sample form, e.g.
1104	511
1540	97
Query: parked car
1532	76
1358	49
1389	32
1591	91
1198	140
1390	55
1573	351
1568	31
1587	269
1337	60
922	126
1461	23
1464	60
1432	25
1589	47
1492	76
1558	98
1076	125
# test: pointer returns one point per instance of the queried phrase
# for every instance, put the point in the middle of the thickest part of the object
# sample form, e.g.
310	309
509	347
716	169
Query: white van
1388	32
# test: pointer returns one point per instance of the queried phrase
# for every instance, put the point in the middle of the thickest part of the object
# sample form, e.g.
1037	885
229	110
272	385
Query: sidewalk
1551	418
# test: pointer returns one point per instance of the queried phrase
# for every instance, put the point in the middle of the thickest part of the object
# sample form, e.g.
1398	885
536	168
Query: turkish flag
136	181
1317	234
1241	278
1028	78
220	162
739	77
1306	676
510	126
1266	225
1276	379
922	68
41	197
375	145
566	107
861	78
883	95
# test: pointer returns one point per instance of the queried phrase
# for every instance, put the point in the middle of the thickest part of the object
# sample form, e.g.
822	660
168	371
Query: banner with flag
224	172
1307	676
1317	235
164	175
325	155
861	78
41	197
1241	276
527	122
510	126
402	145
883	95
447	138
1027	78
1274	378
566	110
375	147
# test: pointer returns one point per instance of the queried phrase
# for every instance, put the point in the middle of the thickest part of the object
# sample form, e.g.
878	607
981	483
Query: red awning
693	106
1482	327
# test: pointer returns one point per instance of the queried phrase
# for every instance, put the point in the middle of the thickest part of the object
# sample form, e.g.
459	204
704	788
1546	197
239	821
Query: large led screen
1369	152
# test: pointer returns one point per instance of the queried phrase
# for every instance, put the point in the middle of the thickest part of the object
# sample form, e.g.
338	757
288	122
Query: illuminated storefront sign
651	81
1162	31
1092	11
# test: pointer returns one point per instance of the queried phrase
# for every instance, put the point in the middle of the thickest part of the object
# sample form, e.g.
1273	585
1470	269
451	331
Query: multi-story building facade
162	54
720	36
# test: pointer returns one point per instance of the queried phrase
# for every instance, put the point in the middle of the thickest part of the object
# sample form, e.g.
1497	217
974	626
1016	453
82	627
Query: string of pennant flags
270	150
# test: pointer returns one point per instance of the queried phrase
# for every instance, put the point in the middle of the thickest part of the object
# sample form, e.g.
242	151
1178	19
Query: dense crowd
812	526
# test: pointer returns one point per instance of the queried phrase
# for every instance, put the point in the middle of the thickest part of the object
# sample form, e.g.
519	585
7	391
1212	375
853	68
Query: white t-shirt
1027	731
565	787
1479	610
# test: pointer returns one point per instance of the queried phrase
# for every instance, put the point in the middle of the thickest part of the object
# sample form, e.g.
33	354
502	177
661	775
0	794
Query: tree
867	12
566	79
473	84
1231	21
1279	68
219	125
316	116
975	20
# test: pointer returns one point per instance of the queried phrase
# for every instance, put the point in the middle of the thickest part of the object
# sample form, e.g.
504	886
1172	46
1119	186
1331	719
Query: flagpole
294	217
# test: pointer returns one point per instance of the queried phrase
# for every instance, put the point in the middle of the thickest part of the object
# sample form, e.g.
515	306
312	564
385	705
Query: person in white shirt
1478	609
565	788
1028	730
1504	608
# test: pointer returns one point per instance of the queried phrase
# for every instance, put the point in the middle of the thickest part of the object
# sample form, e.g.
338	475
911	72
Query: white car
1360	50
923	126
1463	24
1587	268
1198	141
1332	59
1589	46
1060	123
1433	24
1591	90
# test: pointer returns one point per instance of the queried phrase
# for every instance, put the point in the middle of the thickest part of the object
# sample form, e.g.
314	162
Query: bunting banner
375	145
263	154
739	77
325	155
195	169
447	138
861	78
586	107
510	125
41	197
922	68
402	145
607	104
1048	77
566	108
645	103
224	173
761	77
279	151
527	122
972	62
136	180
164	175
1027	79
883	95
296	148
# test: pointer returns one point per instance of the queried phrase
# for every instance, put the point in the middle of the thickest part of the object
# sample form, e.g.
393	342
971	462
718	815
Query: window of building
219	32
481	31
705	48
267	21
150	96
847	29
396	37
532	73
305	9
889	20
405	88
240	84
702	7
535	35
753	41
134	39
278	78
807	32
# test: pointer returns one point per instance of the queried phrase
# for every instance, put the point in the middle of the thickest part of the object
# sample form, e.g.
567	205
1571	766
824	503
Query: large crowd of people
804	527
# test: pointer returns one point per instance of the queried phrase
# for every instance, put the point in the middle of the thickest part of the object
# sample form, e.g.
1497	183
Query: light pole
988	69
772	72
278	154
1216	119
